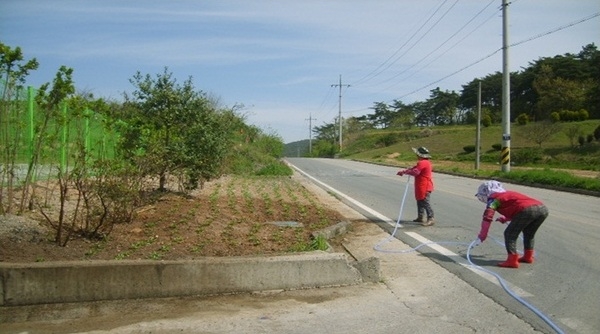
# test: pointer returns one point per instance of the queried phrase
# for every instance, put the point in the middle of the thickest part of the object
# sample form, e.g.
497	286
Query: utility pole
478	137
310	119
505	155
340	108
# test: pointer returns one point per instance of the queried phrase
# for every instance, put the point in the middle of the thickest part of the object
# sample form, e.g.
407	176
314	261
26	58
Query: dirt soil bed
232	216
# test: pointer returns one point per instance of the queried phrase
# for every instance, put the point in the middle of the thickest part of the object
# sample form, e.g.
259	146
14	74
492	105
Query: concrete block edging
82	281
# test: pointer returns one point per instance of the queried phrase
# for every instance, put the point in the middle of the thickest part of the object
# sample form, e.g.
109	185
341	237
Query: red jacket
422	172
508	204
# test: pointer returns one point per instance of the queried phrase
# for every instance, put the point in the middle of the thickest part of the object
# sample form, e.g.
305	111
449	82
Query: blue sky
280	58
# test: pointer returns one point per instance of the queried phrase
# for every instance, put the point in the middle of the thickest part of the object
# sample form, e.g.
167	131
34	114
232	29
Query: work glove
502	219
483	232
400	173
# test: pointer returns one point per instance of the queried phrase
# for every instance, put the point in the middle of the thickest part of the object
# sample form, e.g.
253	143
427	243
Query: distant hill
297	148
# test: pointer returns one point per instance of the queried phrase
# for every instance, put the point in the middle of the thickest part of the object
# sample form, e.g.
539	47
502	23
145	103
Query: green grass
450	140
530	164
552	178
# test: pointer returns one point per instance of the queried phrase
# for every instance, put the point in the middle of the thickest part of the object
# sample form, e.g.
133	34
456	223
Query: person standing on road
524	213
422	172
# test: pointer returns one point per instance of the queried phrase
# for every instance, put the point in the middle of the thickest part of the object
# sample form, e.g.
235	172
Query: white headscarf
487	188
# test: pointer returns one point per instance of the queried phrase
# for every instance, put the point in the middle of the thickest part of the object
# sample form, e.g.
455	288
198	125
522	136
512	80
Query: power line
327	96
421	38
451	74
437	48
549	32
568	25
446	41
377	71
325	101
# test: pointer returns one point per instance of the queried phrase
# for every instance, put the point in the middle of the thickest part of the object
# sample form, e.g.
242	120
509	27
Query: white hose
510	292
377	247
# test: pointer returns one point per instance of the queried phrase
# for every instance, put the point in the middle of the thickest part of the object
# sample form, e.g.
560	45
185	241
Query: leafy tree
173	129
271	144
572	132
569	66
383	116
491	95
556	93
486	120
522	119
443	106
50	102
539	132
581	71
13	72
523	97
327	132
404	116
354	128
204	147
324	148
583	115
423	116
591	56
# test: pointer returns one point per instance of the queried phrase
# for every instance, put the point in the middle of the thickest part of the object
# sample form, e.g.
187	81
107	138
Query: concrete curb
62	282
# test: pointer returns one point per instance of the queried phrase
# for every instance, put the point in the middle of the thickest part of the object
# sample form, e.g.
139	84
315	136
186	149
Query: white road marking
348	198
460	260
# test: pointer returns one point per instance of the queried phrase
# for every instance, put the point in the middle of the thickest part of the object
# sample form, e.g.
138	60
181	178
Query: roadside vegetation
452	147
556	164
554	122
86	163
242	216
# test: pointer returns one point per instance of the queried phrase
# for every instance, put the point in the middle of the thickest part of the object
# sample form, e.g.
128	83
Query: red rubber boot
511	262
527	257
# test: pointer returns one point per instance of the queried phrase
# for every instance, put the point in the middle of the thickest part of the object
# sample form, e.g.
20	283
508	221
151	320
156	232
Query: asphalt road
562	285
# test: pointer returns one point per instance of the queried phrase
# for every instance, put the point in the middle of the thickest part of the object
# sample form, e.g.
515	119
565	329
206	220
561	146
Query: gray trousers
423	206
527	221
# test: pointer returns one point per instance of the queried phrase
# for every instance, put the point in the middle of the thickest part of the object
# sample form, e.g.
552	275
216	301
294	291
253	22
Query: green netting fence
50	140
